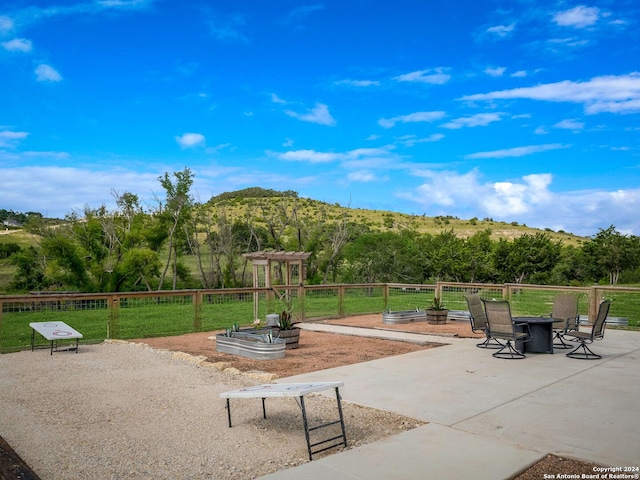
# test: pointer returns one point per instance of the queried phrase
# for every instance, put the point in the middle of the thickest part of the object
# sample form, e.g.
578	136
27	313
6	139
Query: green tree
173	215
30	270
611	252
382	257
64	263
478	256
447	256
527	255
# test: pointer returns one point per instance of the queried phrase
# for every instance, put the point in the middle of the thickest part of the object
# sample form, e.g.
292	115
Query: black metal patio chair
582	351
565	316
502	326
478	320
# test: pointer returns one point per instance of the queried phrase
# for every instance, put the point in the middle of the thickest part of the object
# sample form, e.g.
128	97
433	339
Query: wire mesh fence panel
221	311
538	302
322	303
154	316
452	295
88	316
625	307
410	297
363	299
148	314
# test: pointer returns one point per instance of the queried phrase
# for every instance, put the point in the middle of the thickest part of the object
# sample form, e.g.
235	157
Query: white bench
54	331
298	391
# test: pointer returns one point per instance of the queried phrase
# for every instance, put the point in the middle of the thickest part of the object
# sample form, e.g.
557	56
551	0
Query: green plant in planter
437	305
268	337
285	321
437	312
233	329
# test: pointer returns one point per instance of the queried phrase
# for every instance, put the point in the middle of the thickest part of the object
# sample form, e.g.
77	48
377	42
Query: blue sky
524	111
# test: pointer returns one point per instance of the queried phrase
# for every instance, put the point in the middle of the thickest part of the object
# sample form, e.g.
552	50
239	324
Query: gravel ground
127	411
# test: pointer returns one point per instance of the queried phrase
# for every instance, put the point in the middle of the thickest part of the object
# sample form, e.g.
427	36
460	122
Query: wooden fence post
197	311
113	323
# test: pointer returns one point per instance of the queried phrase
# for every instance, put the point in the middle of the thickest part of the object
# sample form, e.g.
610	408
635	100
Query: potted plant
288	331
437	312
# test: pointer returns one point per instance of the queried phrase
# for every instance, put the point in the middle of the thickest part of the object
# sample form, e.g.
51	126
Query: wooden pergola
264	260
263	263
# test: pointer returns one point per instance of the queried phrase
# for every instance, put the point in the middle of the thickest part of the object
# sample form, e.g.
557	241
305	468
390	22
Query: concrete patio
487	418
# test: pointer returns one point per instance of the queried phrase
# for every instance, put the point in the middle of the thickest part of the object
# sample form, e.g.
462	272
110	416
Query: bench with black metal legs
298	391
54	332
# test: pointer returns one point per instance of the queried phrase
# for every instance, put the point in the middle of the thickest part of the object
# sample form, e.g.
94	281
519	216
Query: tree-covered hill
253	201
185	244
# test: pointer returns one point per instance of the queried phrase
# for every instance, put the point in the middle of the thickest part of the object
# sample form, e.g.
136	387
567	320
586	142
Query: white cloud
123	3
302	12
358	83
518	198
10	139
62	190
276	99
412	140
478	120
189	140
17	45
577	17
495	72
227	29
411	118
217	148
32	14
435	76
611	93
530	200
502	30
310	156
351	156
46	73
319	114
517	151
6	25
361	176
569	124
519	74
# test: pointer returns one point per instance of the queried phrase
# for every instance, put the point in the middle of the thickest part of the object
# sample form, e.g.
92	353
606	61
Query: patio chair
478	320
582	351
501	326
565	316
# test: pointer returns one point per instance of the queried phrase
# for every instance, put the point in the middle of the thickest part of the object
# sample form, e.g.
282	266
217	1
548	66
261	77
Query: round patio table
541	334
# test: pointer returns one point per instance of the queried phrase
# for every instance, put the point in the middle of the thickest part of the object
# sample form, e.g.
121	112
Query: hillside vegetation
184	244
254	201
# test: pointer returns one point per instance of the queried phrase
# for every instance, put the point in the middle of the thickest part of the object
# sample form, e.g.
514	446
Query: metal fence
135	315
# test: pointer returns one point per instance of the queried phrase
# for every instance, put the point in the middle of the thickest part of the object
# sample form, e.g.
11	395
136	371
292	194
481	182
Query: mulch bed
12	467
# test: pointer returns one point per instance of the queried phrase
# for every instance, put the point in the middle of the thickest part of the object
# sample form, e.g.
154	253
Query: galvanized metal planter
250	345
404	316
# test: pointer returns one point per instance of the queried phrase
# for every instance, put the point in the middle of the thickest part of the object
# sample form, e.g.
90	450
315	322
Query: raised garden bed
250	345
404	316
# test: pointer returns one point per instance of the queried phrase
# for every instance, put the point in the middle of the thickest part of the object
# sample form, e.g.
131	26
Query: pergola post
264	259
